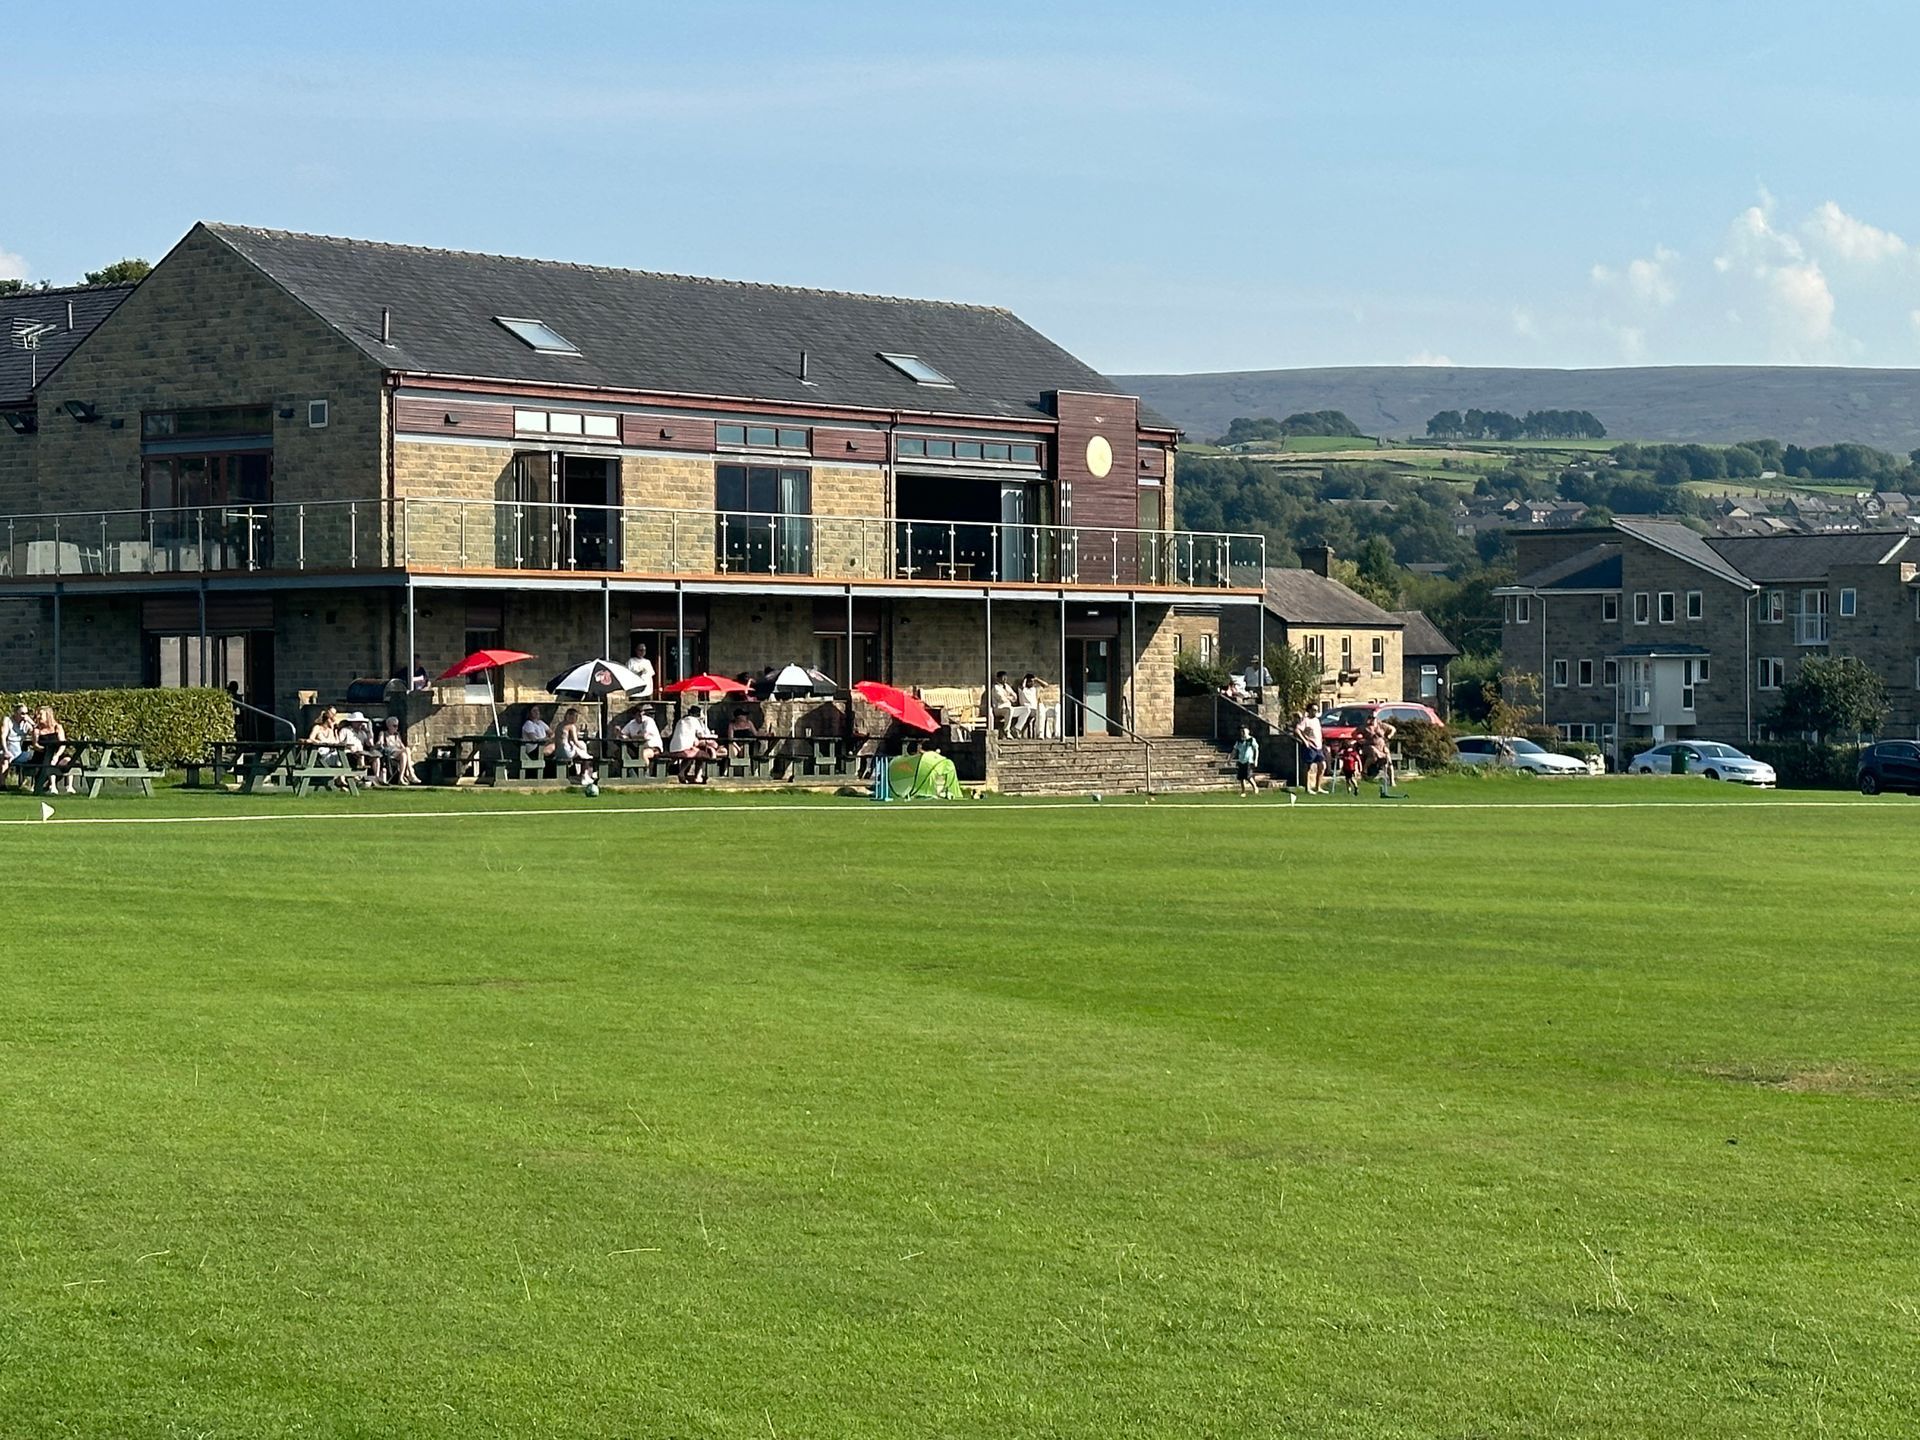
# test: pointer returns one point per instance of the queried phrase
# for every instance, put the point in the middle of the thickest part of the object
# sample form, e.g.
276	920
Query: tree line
1245	430
120	272
1500	425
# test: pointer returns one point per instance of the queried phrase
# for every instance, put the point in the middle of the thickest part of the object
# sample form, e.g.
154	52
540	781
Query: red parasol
481	660
712	684
897	703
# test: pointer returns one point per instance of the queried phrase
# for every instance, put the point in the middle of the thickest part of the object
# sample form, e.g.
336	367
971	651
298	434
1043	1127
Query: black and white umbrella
800	680
594	680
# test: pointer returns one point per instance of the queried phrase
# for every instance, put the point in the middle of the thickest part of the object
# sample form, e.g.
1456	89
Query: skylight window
916	369
540	335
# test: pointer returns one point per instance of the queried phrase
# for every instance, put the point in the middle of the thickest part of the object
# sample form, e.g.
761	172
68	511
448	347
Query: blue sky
1159	187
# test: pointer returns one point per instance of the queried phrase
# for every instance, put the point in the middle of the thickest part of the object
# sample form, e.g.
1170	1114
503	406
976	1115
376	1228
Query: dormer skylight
916	369
538	334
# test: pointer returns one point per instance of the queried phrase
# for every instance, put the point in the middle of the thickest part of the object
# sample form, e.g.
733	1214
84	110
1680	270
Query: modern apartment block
1646	630
290	462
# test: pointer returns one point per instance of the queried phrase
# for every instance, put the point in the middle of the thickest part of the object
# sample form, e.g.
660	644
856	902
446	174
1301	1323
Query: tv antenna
27	335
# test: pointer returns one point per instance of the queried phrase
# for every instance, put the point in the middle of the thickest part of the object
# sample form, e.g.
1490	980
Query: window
1379	655
986	452
1703	669
1519	609
761	437
1642	607
1574	732
1316	646
1429	683
1346	652
1609	672
317	414
1666	607
1559	674
1586	674
1610	609
1206	649
567	424
765	524
1773	673
1773	607
1849	603
1696	604
1606	736
541	336
916	369
1916	672
173	661
1179	642
1686	684
192	424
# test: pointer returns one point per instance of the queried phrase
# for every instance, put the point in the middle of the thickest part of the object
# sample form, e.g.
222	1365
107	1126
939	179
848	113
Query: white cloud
1791	289
1427	357
1803	301
1524	325
12	266
1648	282
1853	240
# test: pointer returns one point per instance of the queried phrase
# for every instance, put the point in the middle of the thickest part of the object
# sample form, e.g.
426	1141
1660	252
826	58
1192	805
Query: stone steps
1109	766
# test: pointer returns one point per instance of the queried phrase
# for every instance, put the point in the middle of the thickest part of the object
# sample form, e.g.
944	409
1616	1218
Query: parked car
1516	752
1889	765
1703	757
1339	723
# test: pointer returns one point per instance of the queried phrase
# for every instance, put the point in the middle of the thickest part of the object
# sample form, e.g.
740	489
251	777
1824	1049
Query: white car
1702	757
1516	753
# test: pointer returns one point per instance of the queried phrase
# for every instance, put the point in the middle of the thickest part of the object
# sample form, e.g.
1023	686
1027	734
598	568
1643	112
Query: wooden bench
98	768
306	771
43	773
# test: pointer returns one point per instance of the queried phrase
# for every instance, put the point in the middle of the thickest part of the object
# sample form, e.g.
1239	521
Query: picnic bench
103	762
43	773
294	763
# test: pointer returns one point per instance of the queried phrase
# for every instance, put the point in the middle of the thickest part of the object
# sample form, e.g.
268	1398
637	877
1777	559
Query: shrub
1430	747
169	726
1799	765
1194	676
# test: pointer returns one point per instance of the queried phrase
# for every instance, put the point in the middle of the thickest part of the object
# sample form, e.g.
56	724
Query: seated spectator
742	732
641	727
325	735
573	750
357	750
16	739
693	744
1237	691
396	761
533	729
50	744
999	704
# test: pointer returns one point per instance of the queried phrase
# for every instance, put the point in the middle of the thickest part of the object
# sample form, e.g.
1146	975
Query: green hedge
1430	747
169	726
1799	765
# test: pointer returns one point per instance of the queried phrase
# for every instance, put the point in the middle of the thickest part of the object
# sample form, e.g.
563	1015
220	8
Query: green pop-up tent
926	776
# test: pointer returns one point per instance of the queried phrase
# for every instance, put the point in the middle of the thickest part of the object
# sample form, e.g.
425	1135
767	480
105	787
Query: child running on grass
1349	762
1246	755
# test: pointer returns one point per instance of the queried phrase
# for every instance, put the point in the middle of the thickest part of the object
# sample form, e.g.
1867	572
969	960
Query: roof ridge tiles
269	233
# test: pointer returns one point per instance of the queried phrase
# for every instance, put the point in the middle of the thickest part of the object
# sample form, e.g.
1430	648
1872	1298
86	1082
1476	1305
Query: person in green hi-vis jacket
928	775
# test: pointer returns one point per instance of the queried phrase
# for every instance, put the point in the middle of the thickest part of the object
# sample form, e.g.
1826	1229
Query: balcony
489	537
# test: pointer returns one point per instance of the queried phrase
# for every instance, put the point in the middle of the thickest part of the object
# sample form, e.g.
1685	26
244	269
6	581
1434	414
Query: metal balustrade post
353	538
519	538
1114	557
953	552
993	573
200	541
463	534
300	538
103	542
406	533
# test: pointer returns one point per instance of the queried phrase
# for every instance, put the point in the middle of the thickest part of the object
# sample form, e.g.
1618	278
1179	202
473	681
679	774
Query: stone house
1357	643
1426	658
1646	630
290	463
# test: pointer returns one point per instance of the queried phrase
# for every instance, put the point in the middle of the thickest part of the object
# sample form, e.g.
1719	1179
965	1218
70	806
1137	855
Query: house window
316	414
226	420
1642	607
1849	603
765	524
760	437
1773	607
1316	646
1610	609
1379	655
173	661
1666	607
916	369
1606	736
1179	642
1430	682
539	335
1609	672
1559	674
1773	672
1686	684
485	630
1703	669
1519	609
1696	604
1346	652
1586	674
1206	649
567	424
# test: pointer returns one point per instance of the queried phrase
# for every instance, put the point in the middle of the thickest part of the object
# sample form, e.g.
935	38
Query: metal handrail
1125	729
293	731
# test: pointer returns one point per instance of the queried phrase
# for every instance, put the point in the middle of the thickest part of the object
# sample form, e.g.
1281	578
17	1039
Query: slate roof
1422	636
676	334
1597	567
1771	558
1303	597
1683	543
18	370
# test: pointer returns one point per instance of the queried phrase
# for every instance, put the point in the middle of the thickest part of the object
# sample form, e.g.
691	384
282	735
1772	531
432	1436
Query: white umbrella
594	680
804	680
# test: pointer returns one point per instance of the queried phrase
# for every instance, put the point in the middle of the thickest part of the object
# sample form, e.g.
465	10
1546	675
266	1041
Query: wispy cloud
1427	357
1853	240
1648	281
12	266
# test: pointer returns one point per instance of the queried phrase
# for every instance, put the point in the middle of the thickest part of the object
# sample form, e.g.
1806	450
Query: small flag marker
46	811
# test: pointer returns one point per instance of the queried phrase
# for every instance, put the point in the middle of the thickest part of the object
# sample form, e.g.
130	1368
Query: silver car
1515	752
1702	757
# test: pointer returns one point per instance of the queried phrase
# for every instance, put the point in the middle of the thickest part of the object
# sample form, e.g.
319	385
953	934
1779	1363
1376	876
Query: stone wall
1884	631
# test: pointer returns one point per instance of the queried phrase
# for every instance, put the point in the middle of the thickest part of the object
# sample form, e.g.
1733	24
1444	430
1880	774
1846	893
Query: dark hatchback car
1889	765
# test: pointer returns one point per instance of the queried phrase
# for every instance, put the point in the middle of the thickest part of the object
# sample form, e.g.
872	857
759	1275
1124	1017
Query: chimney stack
1318	559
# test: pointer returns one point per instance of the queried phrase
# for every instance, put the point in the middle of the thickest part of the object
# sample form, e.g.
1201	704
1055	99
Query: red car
1341	723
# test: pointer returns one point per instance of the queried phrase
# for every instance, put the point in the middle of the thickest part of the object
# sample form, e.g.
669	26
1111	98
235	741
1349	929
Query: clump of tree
1833	699
120	272
1849	461
1245	431
1500	425
1295	679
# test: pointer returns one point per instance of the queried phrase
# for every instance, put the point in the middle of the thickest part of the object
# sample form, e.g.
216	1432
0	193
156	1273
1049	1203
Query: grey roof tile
1771	558
1304	597
675	334
22	371
1598	567
1682	542
1422	636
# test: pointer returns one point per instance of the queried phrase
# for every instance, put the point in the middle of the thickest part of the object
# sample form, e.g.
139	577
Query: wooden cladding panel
865	446
415	416
1153	463
666	432
1089	499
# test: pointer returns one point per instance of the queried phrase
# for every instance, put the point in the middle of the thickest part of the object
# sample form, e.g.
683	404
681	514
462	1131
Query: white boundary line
1355	807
